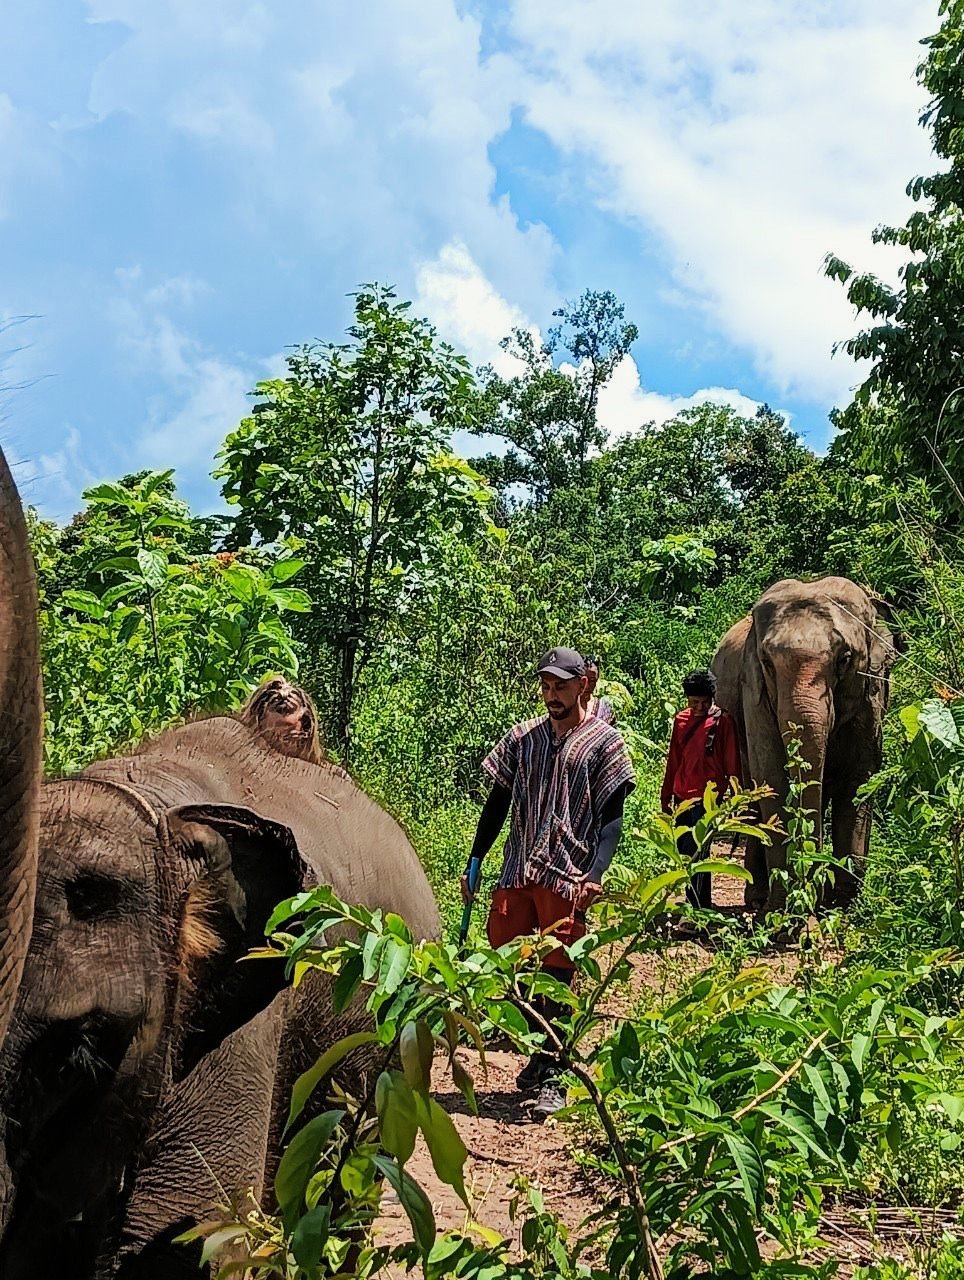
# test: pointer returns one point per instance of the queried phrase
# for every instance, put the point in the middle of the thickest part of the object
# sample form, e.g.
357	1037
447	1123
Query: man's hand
586	896
467	894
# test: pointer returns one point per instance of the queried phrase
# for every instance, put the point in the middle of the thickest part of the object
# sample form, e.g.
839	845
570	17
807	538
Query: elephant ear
754	686
242	866
888	627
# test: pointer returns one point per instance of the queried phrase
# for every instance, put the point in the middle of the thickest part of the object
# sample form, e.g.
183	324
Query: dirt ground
504	1141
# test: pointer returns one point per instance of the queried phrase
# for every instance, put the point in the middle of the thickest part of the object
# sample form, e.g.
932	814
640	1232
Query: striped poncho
559	788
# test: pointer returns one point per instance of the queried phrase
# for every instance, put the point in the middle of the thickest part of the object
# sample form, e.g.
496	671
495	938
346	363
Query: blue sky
189	186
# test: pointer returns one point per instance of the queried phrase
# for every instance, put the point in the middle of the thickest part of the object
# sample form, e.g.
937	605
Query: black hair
699	684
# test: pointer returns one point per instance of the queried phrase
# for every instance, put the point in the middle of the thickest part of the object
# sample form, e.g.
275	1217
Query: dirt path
504	1141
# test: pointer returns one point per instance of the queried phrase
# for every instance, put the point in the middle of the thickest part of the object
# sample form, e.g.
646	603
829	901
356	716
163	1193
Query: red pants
535	909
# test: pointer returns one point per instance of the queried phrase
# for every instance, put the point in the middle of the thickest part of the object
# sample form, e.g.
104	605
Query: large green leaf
417	1047
113	495
152	562
397	1116
84	602
395	960
309	1237
749	1166
291	599
300	1161
309	1080
939	721
444	1144
413	1200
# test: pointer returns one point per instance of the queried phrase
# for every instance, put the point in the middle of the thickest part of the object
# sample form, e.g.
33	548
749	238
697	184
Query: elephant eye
92	897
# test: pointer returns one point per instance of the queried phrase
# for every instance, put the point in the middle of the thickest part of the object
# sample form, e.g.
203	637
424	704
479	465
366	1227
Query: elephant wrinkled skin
815	655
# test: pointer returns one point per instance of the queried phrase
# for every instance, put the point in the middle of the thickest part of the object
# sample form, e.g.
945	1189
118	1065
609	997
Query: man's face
592	675
560	696
699	704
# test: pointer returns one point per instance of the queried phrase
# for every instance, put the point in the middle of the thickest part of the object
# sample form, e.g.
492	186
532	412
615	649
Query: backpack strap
714	723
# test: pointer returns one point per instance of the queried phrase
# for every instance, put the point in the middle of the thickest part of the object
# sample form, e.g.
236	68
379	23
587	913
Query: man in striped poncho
565	777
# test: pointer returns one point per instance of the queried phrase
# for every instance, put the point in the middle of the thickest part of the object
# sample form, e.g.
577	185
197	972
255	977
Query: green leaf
282	570
300	1161
395	961
717	867
125	564
938	719
397	1117
217	1239
417	1047
113	594
445	1146
309	1080
465	1085
84	602
346	984
748	1165
290	599
114	495
660	884
799	1125
310	1236
413	1200
152	563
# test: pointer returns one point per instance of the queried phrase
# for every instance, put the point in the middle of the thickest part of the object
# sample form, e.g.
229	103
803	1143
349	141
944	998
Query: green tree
548	413
915	426
348	459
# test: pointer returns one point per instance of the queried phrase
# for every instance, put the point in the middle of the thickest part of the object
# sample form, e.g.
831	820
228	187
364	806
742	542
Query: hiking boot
550	1099
533	1073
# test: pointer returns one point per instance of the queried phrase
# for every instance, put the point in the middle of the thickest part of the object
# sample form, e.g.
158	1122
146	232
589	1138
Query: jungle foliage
411	590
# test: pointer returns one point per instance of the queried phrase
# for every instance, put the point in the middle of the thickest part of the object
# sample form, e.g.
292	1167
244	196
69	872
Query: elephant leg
851	761
755	891
767	763
850	825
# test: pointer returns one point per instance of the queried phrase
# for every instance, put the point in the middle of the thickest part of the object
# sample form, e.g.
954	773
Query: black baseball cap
567	664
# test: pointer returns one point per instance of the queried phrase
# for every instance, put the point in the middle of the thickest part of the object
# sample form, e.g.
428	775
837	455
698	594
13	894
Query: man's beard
558	712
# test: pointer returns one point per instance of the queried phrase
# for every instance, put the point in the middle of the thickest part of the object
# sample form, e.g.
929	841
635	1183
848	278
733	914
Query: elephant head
20	762
131	975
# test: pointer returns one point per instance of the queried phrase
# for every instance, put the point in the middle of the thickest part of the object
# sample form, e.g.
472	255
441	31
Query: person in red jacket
703	748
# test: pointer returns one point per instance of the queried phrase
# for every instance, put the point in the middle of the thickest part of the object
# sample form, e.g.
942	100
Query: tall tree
547	412
349	458
915	388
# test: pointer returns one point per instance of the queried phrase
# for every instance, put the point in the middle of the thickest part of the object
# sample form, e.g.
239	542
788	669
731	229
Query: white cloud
366	127
750	138
201	396
471	314
213	401
626	405
453	292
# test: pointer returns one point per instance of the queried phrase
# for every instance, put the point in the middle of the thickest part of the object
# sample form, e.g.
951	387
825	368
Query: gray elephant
817	655
156	872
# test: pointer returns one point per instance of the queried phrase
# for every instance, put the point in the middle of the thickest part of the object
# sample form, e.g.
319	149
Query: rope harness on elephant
140	802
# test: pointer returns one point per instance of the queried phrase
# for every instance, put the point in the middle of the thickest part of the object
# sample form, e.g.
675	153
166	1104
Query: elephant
157	873
20	760
128	892
817	655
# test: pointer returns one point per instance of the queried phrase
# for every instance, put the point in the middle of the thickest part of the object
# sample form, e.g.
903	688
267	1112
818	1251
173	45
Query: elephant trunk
20	745
806	713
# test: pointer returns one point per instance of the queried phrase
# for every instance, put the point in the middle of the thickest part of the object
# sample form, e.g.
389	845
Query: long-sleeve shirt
690	765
